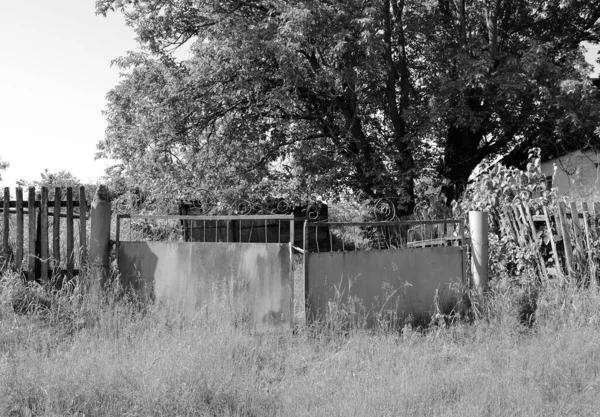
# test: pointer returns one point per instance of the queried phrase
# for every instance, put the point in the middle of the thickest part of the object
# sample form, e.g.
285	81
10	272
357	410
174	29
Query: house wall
575	175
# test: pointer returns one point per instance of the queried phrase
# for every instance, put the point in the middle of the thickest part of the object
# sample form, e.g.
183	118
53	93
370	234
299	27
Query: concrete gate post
100	235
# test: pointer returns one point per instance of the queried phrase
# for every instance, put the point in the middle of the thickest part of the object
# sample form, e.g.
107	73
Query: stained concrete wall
404	281
255	275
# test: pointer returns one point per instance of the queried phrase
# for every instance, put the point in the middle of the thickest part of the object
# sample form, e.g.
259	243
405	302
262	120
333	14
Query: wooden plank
524	208
37	204
50	213
82	228
577	230
31	234
520	226
509	221
56	230
553	243
70	251
44	237
592	265
20	229
38	238
6	228
569	267
594	220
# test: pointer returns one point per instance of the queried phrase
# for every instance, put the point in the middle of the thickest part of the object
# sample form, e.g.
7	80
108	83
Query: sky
55	71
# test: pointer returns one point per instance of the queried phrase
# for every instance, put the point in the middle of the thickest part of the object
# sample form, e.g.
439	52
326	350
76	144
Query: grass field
85	356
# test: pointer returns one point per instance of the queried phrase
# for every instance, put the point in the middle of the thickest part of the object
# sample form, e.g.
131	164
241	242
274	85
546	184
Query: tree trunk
460	159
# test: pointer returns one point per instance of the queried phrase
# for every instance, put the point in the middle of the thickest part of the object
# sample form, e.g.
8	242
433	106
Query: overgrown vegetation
72	354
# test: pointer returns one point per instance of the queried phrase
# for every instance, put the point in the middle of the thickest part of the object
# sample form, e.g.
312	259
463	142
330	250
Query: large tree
320	97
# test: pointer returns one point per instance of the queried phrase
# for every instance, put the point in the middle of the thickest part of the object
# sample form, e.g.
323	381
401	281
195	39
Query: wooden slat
56	230
5	230
589	239
70	246
524	208
38	238
31	234
82	228
44	237
553	243
520	226
595	219
37	204
566	241
20	229
508	220
450	229
577	230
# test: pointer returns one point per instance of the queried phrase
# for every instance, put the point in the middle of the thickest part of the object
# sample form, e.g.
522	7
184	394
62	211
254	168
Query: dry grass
111	357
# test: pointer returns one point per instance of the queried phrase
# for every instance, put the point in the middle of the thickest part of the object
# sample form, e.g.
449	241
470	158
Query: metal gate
159	262
386	269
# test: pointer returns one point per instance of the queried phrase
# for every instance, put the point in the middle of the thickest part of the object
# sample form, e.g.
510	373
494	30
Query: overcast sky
54	75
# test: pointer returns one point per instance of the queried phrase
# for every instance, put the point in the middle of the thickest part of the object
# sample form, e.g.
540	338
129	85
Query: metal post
478	228
291	272
306	276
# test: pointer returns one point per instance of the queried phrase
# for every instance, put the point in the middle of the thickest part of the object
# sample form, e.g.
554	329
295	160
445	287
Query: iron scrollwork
384	209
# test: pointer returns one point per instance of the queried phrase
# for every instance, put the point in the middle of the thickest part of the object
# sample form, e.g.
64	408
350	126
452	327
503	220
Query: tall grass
75	354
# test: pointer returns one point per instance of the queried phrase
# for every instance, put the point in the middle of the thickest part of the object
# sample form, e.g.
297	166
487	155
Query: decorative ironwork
240	206
384	209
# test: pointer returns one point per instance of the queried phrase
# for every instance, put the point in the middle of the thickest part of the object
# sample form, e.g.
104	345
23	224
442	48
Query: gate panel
255	274
403	280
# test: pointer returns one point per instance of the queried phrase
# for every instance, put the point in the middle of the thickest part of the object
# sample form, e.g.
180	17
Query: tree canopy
62	180
304	98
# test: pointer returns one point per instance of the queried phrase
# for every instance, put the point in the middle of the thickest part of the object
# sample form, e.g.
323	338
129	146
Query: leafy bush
513	265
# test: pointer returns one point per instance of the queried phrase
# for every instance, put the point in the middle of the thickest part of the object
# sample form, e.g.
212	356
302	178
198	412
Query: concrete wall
255	275
402	280
575	175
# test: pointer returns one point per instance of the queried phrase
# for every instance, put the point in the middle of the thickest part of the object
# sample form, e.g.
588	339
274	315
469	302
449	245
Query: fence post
6	234
478	230
100	234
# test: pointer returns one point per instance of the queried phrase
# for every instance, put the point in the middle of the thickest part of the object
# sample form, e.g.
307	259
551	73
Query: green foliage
497	191
108	356
62	180
305	98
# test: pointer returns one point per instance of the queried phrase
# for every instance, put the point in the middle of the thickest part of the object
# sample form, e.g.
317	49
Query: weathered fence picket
42	261
572	232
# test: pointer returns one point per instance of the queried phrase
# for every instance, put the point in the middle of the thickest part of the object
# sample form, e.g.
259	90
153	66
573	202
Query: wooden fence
43	214
566	232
